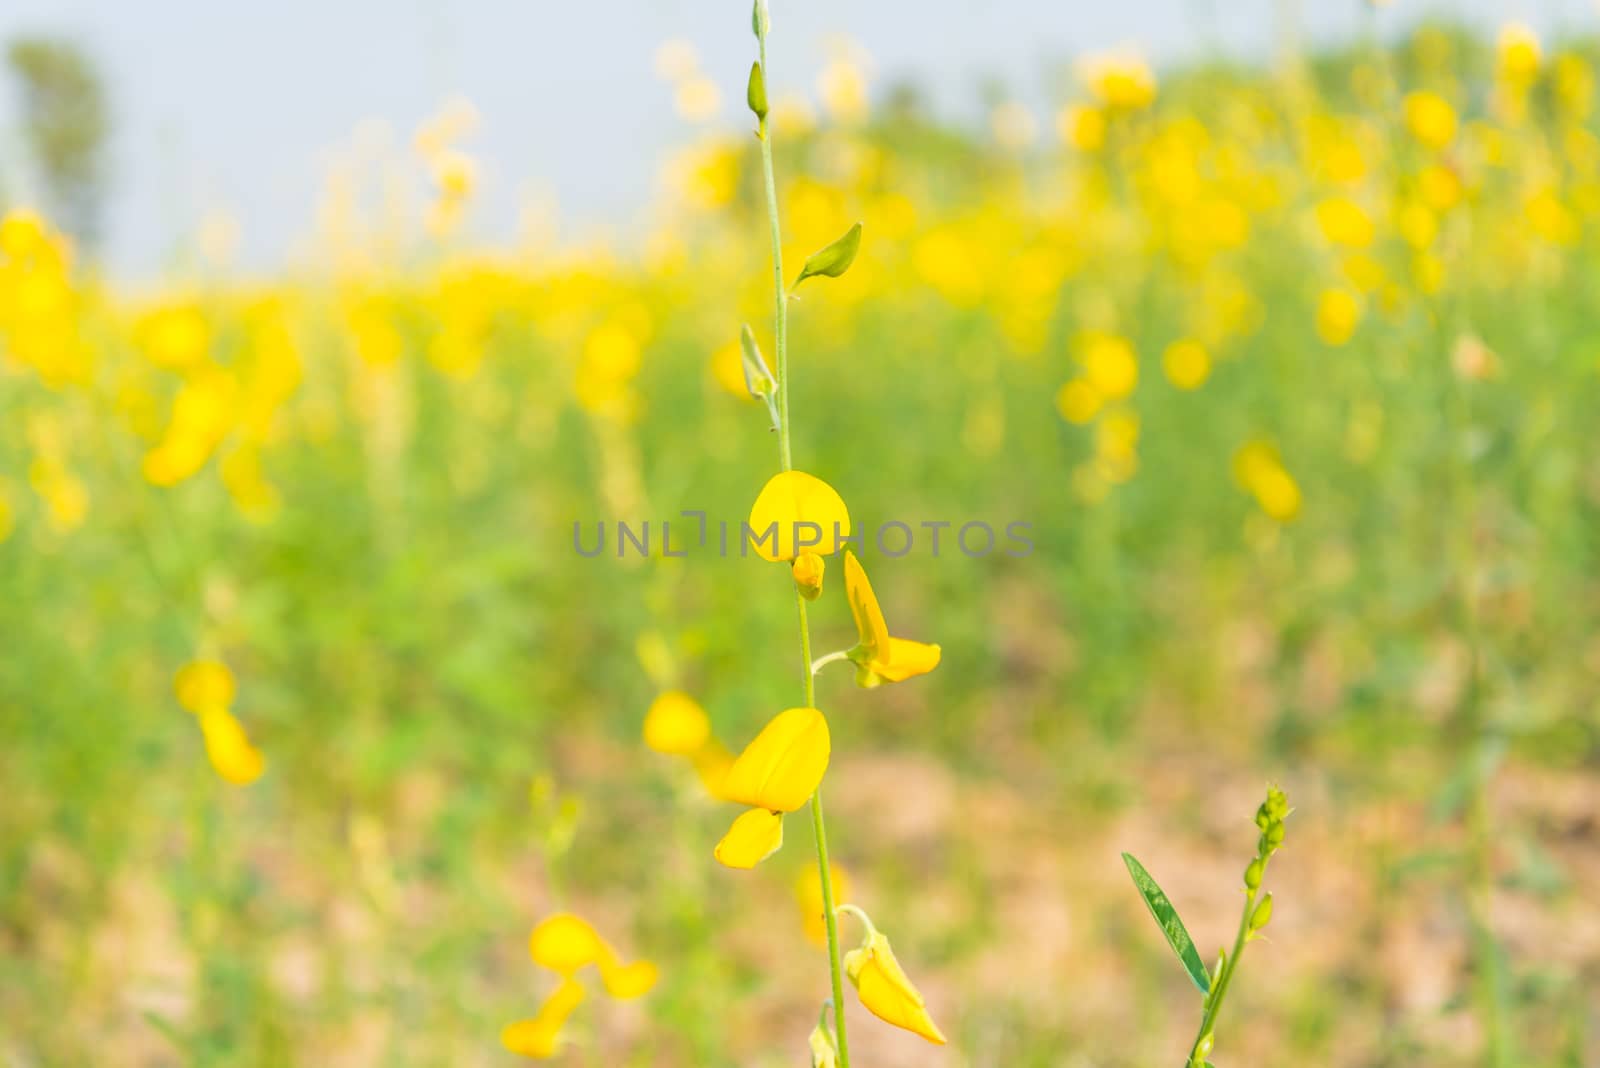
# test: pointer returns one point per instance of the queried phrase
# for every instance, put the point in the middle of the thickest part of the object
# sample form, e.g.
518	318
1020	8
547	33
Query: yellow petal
873	631
627	980
564	943
782	767
676	724
204	684
795	507
231	753
886	991
907	658
754	837
540	1037
808	570
711	763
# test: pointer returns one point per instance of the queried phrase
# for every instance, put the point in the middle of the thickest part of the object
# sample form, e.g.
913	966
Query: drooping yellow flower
565	943
754	836
676	724
878	656
229	748
793	512
540	1037
885	989
204	684
782	767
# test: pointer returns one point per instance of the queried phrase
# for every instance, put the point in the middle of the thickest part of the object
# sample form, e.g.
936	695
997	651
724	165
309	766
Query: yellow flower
1187	364
813	911
540	1037
1110	365
1343	222
1258	468
565	943
782	767
754	836
1518	54
232	755
625	981
1338	315
808	570
1430	118
1084	128
878	656
204	684
794	508
676	724
1078	401
886	991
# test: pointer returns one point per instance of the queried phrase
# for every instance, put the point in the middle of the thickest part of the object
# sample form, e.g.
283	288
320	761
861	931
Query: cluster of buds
1269	819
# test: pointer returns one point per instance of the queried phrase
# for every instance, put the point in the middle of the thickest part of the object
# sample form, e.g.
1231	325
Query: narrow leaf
834	260
1166	918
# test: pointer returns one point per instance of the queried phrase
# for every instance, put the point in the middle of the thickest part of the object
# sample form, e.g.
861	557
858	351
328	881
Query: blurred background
320	331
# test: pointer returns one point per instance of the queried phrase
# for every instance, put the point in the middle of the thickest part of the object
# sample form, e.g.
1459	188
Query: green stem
781	340
1220	990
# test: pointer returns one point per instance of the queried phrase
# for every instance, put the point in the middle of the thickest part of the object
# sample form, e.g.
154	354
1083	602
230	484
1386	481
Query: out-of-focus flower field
1294	373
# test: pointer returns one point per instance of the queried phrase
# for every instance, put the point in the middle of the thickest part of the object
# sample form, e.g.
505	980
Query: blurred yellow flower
1343	222
1082	127
697	99
1338	315
1517	54
808	893
1078	401
795	511
540	1037
1258	468
879	657
1109	364
229	749
1186	363
1119	80
565	943
676	724
1430	118
204	684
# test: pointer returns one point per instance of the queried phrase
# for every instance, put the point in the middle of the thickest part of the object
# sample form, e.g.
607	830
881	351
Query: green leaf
834	260
1166	918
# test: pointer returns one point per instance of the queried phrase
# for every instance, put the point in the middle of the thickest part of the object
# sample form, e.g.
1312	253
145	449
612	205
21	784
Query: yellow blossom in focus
879	657
783	766
808	569
755	835
886	991
795	511
1186	363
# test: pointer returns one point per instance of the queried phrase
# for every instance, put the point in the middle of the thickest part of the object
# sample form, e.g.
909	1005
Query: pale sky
240	108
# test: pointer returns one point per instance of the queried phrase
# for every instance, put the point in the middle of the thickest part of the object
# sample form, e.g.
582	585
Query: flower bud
823	1055
1262	915
886	991
808	569
755	92
834	260
1202	1049
1252	874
